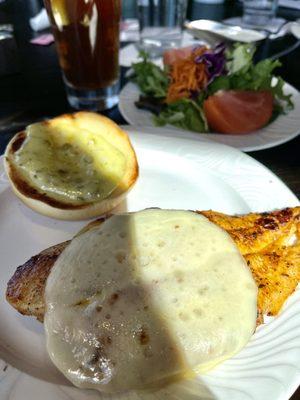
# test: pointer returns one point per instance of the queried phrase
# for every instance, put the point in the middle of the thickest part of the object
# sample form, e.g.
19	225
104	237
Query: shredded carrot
187	77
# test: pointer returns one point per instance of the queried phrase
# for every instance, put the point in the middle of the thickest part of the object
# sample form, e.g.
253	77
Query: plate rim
168	132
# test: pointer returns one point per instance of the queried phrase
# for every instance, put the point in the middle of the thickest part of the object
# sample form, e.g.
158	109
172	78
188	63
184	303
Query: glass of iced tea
87	39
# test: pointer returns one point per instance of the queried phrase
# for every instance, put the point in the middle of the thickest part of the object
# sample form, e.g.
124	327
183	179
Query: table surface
31	86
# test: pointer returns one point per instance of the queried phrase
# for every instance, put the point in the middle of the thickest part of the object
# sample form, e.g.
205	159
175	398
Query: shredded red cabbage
215	62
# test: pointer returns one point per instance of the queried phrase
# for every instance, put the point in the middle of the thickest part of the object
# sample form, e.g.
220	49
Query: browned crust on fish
253	232
25	289
270	243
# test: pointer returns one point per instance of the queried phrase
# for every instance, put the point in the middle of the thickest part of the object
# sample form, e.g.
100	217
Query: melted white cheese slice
69	164
146	297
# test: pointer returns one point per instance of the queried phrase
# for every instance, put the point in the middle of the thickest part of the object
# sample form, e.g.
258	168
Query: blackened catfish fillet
269	242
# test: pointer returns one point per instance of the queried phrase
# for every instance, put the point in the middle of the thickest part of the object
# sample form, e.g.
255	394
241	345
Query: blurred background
30	78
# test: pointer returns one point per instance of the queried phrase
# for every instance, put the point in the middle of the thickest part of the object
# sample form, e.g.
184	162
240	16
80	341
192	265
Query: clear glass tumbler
161	24
87	39
259	12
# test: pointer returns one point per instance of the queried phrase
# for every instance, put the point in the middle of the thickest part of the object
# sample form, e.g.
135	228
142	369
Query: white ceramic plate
174	173
283	129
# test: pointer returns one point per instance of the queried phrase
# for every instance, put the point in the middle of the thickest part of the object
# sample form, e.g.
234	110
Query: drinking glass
161	24
259	12
87	40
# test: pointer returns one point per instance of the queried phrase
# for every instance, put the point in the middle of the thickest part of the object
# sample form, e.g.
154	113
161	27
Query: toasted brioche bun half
46	203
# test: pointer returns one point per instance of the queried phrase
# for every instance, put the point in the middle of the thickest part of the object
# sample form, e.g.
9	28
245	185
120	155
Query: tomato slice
238	111
172	55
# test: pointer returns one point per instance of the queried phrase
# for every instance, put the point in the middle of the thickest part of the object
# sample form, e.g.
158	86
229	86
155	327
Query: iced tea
87	40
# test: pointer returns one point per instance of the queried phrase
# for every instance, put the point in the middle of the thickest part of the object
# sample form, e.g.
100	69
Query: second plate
284	128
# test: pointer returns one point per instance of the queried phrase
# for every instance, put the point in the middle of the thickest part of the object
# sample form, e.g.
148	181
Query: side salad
202	89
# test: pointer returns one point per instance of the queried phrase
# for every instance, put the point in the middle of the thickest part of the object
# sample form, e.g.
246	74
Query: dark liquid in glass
87	39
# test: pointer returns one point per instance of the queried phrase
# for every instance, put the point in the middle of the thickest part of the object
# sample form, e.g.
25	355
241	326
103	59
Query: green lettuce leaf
240	57
185	114
151	79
